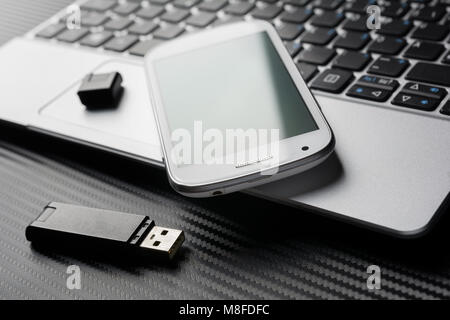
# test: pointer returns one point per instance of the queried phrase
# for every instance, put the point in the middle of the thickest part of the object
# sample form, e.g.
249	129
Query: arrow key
415	102
424	90
369	93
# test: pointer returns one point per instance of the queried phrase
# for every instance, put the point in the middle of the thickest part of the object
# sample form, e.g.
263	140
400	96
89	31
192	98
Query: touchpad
132	118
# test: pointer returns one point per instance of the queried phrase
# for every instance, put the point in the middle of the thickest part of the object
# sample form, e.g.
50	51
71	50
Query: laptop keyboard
405	63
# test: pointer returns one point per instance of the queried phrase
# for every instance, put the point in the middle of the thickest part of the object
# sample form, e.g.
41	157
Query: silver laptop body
390	170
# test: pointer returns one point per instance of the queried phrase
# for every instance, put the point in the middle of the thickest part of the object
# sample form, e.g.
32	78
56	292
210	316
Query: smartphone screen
236	84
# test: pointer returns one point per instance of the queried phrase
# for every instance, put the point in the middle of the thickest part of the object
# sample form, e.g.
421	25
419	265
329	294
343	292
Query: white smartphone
233	111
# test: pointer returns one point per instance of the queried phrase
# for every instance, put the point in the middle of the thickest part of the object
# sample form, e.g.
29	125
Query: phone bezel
203	178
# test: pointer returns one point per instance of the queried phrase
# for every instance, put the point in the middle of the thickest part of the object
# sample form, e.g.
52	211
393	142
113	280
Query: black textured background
236	247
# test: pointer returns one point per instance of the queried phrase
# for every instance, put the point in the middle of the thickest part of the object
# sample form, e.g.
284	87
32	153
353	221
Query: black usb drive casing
82	227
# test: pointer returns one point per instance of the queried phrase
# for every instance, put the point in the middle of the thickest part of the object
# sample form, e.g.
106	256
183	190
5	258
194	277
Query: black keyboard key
72	35
175	16
356	24
141	48
394	9
298	3
316	55
150	12
168	32
290	31
228	19
212	5
299	15
332	80
96	39
293	48
118	24
396	28
239	8
319	36
267	13
432	73
424	50
446	58
159	2
433	92
368	93
143	28
201	19
431	31
387	45
327	19
387	66
99	5
51	30
358	6
447	20
378	82
446	108
352	40
93	19
126	8
122	43
415	102
429	13
185	4
351	60
307	71
328	4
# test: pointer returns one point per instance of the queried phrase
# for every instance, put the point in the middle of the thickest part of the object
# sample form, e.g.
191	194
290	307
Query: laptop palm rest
121	121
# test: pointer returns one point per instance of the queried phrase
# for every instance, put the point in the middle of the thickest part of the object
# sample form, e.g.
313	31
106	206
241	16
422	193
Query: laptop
384	92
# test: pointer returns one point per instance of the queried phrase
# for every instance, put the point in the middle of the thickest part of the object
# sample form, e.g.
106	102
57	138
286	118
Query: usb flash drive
84	227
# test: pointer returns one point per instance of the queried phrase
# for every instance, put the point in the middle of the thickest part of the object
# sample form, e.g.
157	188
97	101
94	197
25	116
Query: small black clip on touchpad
101	91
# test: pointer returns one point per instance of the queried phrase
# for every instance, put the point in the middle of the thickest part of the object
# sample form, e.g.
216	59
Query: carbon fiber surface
236	246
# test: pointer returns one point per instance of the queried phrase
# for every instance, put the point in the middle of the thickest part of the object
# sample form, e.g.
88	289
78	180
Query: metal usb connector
164	240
